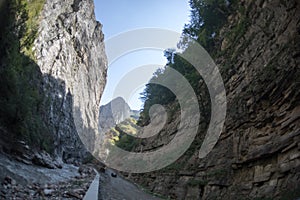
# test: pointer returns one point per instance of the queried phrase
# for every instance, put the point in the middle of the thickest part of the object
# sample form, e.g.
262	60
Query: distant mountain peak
113	113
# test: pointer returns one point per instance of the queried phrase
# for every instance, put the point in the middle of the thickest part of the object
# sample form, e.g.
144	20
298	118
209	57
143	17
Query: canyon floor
22	181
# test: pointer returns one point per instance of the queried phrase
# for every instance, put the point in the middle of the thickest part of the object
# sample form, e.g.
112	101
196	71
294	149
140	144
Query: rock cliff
53	72
113	113
69	50
258	153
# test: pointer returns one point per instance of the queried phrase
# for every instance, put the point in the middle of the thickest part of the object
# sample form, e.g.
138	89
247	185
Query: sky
121	16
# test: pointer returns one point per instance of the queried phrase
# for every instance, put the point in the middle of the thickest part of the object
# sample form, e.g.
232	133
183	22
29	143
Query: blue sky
119	16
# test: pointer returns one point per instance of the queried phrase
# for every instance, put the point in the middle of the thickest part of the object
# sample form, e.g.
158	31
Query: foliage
206	19
21	99
121	137
128	126
155	94
126	142
33	9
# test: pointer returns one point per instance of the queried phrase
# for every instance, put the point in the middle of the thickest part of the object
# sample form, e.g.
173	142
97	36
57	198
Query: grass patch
33	9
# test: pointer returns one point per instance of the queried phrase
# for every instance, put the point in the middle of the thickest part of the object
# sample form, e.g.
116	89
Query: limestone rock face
113	113
258	153
70	52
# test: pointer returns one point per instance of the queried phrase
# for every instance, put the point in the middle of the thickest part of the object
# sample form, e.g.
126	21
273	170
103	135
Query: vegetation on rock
22	100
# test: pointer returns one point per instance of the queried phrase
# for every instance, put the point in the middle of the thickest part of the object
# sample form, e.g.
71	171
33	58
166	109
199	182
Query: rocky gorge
53	73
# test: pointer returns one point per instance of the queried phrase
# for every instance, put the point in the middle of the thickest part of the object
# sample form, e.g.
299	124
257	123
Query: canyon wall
70	52
258	153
